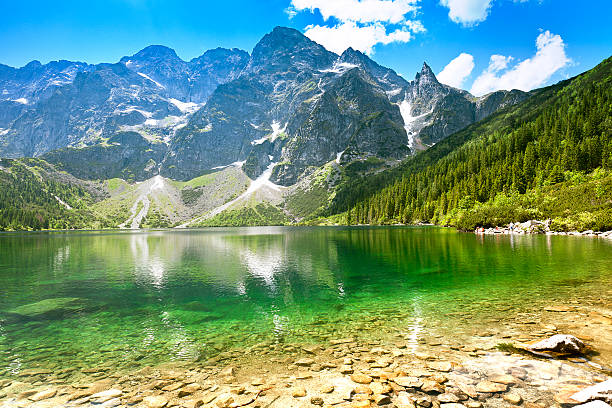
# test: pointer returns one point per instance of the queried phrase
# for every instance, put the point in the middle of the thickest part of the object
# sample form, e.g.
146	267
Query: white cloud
456	72
528	74
467	12
361	24
363	38
362	11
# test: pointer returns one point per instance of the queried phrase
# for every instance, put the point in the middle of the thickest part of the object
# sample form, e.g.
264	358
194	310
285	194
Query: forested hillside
30	198
548	157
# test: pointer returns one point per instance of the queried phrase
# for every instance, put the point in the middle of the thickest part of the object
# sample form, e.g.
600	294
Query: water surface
148	297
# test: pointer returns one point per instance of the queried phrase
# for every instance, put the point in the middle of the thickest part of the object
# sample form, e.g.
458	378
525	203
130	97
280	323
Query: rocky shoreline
537	227
427	368
340	373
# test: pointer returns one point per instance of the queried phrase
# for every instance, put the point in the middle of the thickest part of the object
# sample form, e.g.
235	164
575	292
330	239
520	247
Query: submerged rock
43	395
48	308
156	401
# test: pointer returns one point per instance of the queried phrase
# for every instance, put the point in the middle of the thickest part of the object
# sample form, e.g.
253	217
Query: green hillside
548	157
34	196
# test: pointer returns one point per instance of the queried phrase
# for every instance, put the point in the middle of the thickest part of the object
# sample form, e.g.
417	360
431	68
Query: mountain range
277	131
291	102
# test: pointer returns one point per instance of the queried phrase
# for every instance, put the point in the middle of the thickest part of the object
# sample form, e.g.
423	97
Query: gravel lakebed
403	370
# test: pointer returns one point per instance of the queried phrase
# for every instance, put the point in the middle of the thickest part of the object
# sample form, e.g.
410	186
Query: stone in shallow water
228	372
382	400
408	382
48	308
298	392
432	387
448	397
304	362
513	398
106	395
444	366
594	404
380	388
156	401
489	386
43	395
224	400
404	401
361	378
342	341
326	389
503	379
316	401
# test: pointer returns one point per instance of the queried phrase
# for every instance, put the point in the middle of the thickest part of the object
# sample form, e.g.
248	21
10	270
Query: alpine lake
77	308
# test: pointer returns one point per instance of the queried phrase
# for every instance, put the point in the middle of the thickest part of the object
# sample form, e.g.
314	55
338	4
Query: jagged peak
155	51
426	74
220	51
350	51
33	64
282	36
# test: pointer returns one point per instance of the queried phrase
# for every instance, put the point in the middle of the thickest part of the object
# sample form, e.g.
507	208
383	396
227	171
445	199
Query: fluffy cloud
456	72
467	12
528	74
362	11
342	36
361	24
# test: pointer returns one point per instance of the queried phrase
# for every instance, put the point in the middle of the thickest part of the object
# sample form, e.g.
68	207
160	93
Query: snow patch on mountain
185	107
339	68
151	79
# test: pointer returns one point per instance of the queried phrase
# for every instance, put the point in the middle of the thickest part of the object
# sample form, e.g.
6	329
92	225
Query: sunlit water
145	298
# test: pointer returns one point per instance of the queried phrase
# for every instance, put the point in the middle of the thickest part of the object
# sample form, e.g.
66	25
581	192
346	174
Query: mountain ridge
571	186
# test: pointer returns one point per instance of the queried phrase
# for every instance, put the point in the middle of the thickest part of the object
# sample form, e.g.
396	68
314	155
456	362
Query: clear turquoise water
149	297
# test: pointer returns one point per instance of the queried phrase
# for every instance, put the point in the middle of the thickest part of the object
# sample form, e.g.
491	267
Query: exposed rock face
126	155
192	81
433	111
63	103
353	119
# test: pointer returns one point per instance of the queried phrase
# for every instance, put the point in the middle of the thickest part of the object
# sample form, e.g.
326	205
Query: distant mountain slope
499	170
64	103
274	107
297	106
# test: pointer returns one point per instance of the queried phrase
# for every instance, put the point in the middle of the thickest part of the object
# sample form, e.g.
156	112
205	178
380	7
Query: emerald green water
150	297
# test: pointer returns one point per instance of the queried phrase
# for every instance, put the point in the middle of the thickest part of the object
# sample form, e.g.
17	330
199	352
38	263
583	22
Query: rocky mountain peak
33	64
155	52
287	46
426	74
219	52
351	54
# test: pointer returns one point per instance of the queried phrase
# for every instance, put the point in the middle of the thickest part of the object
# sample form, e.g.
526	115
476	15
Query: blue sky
491	43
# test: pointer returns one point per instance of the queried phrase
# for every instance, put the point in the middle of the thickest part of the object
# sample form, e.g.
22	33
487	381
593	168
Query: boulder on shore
559	343
601	391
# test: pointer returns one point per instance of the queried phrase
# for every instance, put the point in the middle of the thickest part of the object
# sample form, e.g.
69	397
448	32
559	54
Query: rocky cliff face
291	105
432	111
352	119
125	155
63	103
192	81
